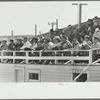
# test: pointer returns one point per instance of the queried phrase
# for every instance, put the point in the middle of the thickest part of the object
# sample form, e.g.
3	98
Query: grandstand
70	54
66	65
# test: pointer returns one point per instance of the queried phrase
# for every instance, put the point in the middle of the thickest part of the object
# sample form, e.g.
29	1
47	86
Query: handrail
54	57
96	49
88	65
44	50
74	80
50	50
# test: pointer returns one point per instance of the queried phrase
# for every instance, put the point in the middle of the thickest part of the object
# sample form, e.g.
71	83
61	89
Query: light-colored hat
4	39
19	39
57	37
96	29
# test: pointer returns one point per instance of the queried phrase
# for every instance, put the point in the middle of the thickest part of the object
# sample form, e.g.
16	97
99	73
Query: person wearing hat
88	43
48	44
18	44
26	44
4	44
0	44
85	42
34	43
41	38
95	22
96	34
56	40
52	34
96	43
57	43
65	43
75	42
11	45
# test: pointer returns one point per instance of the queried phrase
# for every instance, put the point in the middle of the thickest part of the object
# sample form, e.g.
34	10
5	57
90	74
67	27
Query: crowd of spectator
85	38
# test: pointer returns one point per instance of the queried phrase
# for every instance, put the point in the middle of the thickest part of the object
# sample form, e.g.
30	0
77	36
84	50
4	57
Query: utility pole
79	13
35	29
12	34
54	23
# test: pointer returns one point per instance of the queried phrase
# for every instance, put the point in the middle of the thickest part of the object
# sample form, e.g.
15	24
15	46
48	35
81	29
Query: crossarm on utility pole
79	13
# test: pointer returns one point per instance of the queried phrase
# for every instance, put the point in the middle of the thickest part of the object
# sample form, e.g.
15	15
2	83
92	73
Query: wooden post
14	54
1	56
90	56
26	57
55	55
72	62
40	54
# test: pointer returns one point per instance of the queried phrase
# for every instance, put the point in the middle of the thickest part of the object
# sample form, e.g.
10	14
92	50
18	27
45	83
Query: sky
21	17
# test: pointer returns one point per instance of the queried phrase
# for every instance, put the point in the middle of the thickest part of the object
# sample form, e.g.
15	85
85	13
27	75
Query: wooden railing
95	57
68	55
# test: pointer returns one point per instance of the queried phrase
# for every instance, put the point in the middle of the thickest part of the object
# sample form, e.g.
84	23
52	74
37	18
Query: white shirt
26	45
33	46
96	34
97	45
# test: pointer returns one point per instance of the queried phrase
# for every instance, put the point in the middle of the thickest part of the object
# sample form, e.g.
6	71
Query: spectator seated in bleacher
48	44
11	45
40	44
95	22
76	46
26	44
85	43
18	44
96	34
65	43
88	44
75	42
96	43
4	44
96	53
57	43
64	40
52	34
33	43
4	47
33	47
